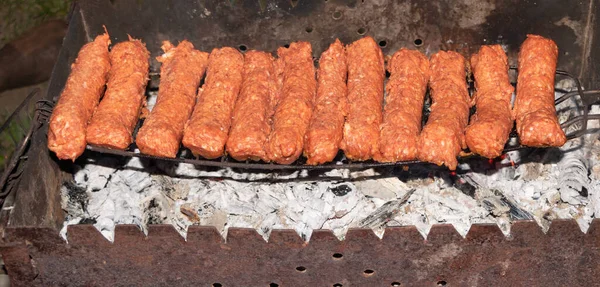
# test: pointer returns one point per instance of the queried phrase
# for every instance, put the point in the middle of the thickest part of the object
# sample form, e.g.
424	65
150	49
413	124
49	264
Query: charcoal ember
190	212
463	185
529	171
385	213
74	198
574	181
155	212
172	189
136	181
340	190
499	205
388	188
96	176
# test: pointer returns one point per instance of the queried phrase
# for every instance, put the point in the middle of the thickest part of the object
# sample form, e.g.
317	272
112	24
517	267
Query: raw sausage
325	131
490	126
83	90
180	74
251	120
535	113
113	122
206	132
406	88
366	73
443	136
295	103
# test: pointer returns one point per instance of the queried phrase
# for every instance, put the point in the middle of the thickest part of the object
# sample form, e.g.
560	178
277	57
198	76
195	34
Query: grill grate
579	124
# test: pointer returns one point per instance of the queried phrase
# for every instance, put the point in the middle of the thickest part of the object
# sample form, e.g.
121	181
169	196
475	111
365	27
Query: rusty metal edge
38	256
88	234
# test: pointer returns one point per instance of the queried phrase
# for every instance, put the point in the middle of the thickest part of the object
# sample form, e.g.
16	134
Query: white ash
543	185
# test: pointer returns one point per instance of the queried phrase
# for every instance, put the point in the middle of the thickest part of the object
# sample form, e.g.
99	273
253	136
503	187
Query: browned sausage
325	131
206	132
295	103
113	122
443	136
251	120
490	126
180	74
366	73
84	87
406	88
534	109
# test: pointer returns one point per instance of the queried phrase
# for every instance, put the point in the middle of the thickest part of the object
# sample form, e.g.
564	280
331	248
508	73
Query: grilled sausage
83	90
114	121
295	103
206	132
251	120
535	113
325	131
443	136
366	73
490	126
180	74
406	87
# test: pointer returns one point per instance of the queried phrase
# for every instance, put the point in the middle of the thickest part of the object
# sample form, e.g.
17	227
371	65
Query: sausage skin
206	132
406	88
366	73
251	119
180	74
326	128
490	126
82	92
535	112
294	104
443	136
117	114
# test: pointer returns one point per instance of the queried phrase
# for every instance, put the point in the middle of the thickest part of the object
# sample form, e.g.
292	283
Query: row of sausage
254	106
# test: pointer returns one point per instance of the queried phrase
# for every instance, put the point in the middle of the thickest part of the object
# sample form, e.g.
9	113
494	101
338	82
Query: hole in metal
273	285
418	42
309	29
361	31
337	255
337	15
243	48
301	269
368	272
441	283
217	285
387	74
396	284
382	43
337	285
287	45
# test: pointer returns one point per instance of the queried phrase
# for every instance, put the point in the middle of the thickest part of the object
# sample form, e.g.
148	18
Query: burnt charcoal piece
340	190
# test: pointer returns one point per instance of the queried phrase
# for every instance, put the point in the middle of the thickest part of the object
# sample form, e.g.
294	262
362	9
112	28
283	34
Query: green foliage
20	15
13	134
